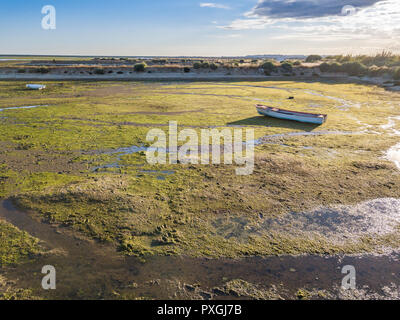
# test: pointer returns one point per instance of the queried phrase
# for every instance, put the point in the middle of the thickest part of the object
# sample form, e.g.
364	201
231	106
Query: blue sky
188	27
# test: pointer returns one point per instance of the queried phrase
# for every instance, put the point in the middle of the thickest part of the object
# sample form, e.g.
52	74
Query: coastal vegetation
75	161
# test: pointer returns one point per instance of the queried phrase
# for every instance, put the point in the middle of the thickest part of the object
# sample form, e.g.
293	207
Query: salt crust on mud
379	217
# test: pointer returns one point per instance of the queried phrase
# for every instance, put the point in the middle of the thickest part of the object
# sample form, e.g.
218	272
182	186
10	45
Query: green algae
16	246
197	210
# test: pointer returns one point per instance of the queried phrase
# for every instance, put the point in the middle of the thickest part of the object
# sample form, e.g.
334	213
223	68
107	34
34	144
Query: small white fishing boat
291	115
36	86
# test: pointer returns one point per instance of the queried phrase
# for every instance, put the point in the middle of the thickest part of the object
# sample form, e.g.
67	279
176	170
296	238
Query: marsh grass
198	210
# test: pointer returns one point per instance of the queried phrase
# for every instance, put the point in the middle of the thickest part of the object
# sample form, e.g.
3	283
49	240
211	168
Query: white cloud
213	5
378	24
367	29
307	8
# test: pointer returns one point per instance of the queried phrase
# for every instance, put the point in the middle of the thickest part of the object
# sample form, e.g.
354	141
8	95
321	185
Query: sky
200	28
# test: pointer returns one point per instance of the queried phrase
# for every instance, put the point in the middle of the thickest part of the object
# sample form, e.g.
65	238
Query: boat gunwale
305	114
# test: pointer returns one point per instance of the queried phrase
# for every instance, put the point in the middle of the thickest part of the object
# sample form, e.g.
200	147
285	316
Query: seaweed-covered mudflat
77	192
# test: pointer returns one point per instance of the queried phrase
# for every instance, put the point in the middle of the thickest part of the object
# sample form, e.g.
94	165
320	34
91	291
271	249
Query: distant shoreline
136	77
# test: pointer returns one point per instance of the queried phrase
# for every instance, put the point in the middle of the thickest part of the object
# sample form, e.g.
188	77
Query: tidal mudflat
116	227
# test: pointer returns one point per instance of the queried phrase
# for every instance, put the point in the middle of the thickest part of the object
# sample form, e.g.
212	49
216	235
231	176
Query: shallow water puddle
340	223
391	125
89	270
120	152
263	140
23	107
13	59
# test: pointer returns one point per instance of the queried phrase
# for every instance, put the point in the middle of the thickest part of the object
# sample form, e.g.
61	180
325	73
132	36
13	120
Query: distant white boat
36	86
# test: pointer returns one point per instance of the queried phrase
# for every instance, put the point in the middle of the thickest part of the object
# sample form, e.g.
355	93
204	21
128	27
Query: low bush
268	67
313	58
336	67
287	67
99	71
325	67
139	67
333	67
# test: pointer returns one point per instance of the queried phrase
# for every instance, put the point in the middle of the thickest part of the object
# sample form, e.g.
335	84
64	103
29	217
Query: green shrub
325	67
99	71
42	70
205	65
197	65
396	75
354	68
21	71
336	67
268	67
313	58
213	66
139	67
186	69
297	63
287	67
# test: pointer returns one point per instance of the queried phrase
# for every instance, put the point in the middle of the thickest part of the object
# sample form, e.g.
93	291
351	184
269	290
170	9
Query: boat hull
291	115
35	86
